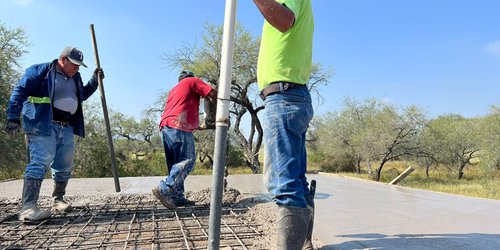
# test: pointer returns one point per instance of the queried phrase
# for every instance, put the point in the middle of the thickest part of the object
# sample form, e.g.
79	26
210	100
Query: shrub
337	164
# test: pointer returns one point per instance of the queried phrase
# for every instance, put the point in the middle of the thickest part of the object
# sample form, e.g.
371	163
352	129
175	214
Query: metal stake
222	124
105	113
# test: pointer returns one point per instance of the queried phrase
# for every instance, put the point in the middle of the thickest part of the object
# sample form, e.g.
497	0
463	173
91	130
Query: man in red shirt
179	120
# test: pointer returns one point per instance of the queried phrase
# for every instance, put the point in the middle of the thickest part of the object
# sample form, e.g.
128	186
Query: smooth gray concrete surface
350	213
358	214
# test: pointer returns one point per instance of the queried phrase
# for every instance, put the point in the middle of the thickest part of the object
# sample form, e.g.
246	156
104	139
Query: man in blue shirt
48	101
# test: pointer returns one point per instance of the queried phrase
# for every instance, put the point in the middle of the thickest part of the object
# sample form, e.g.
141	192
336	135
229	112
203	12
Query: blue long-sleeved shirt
33	97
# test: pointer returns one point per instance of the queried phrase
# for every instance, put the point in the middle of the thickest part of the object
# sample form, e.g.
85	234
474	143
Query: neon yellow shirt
287	56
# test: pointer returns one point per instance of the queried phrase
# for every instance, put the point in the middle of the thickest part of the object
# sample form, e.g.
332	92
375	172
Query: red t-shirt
182	108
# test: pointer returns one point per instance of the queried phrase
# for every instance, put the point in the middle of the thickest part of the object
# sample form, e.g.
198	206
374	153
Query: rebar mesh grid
137	225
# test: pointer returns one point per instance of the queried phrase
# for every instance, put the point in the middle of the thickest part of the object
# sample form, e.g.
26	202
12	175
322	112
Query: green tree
398	134
372	131
12	48
138	139
491	138
429	147
456	139
338	152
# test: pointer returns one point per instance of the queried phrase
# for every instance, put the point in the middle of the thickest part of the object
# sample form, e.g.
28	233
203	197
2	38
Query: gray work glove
12	127
98	72
210	108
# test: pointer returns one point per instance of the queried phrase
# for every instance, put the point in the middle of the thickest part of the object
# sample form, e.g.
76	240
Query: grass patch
477	182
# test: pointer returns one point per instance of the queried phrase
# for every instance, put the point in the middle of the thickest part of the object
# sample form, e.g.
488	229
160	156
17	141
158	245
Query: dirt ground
261	211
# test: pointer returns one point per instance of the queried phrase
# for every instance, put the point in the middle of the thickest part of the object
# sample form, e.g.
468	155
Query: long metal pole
105	112
222	124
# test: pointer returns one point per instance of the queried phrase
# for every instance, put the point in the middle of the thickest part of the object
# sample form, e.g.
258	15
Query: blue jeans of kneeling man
181	157
287	117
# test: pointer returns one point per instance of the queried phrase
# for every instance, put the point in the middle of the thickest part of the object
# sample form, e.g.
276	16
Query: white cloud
494	47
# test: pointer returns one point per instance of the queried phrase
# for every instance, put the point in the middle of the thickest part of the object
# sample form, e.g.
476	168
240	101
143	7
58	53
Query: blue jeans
56	151
286	121
181	157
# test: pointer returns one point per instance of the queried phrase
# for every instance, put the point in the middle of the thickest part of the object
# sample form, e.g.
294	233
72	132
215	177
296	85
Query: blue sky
441	55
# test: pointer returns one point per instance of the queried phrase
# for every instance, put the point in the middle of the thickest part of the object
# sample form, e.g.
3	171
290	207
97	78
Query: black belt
278	87
62	123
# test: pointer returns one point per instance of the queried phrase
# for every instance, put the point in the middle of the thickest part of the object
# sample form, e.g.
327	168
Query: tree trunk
358	166
461	172
377	176
461	169
254	165
379	169
210	160
369	168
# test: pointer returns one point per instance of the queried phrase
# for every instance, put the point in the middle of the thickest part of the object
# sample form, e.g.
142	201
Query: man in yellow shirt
283	70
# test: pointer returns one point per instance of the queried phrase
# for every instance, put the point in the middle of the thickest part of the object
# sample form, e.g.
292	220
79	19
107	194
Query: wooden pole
105	112
402	175
27	145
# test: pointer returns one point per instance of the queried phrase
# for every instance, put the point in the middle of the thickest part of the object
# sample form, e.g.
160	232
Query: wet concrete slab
358	214
350	213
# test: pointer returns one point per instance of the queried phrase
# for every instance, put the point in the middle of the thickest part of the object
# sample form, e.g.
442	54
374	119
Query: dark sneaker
183	202
164	199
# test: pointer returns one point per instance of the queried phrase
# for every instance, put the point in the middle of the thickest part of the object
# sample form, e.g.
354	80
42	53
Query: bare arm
276	14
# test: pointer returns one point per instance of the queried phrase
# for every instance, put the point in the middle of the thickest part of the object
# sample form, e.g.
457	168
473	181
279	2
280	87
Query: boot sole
26	219
185	204
62	211
166	201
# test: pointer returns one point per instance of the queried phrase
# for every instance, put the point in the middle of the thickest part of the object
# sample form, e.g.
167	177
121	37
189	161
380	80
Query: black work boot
310	205
292	227
58	203
183	202
166	200
29	210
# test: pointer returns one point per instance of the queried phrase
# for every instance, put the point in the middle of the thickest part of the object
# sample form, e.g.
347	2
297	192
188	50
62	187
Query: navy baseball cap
185	74
74	55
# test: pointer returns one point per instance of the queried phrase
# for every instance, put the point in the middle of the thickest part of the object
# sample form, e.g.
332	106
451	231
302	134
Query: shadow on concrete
322	196
252	201
418	241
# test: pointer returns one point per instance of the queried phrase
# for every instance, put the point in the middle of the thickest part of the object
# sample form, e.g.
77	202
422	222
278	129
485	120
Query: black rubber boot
29	210
183	202
310	205
58	202
292	227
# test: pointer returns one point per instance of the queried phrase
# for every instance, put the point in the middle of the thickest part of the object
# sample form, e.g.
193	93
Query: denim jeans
181	157
55	151
286	119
